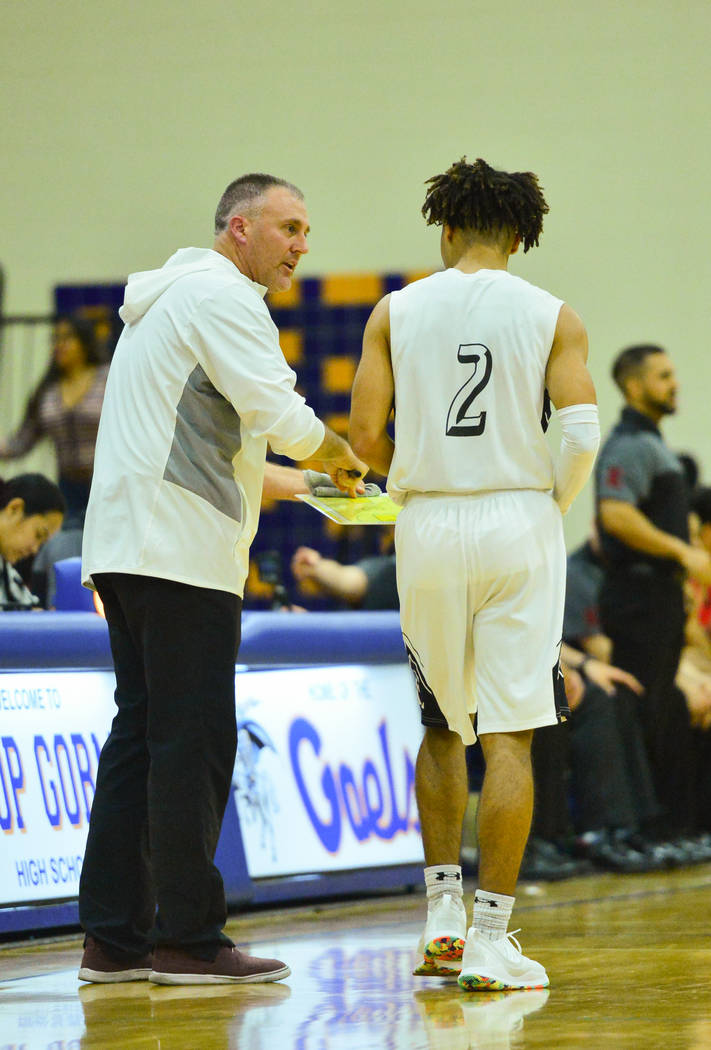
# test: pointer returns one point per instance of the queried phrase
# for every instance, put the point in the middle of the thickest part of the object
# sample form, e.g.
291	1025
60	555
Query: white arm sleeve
578	446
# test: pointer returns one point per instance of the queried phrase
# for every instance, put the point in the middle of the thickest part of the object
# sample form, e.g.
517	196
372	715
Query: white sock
443	878
492	912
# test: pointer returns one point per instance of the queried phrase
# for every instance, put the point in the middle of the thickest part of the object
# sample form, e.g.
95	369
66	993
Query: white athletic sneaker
495	1019
497	965
442	943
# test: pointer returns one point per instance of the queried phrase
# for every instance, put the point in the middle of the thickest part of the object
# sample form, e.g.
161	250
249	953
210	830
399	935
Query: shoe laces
510	936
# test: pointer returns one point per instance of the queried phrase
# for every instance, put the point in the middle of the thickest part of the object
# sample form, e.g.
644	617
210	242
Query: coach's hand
321	485
341	464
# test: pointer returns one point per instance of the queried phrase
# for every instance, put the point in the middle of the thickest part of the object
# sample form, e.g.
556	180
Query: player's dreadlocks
477	197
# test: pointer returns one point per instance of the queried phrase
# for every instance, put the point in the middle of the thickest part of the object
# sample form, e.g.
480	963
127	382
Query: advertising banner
52	728
324	776
324	779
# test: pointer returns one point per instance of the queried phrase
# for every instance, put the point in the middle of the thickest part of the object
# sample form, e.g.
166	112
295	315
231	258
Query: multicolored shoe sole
474	982
427	968
438	954
445	949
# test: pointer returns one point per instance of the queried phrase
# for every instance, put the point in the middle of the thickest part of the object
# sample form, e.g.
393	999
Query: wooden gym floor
629	959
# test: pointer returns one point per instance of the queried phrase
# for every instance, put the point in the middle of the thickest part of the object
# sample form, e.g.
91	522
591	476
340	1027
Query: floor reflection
187	1018
352	988
454	1020
346	993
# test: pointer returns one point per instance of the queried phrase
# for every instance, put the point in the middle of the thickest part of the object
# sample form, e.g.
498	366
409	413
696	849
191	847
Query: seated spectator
369	584
617	806
65	406
581	621
694	674
64	544
695	684
698	627
31	510
583	759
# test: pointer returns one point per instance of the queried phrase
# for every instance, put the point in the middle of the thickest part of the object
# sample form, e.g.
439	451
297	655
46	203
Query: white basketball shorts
481	580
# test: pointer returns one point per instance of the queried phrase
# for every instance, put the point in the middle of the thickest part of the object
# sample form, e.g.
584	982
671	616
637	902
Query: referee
642	512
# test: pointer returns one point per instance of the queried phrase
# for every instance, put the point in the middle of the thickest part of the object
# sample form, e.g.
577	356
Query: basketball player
471	358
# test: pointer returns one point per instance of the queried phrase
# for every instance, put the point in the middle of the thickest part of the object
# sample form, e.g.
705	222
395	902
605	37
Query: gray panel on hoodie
206	439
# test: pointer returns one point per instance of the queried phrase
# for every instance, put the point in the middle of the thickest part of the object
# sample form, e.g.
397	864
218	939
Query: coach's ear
238	228
515	244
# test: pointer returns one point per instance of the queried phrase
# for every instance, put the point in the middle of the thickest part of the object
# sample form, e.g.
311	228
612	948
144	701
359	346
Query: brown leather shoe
101	968
230	966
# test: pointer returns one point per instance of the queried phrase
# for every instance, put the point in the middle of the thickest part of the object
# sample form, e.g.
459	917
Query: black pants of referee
644	616
165	771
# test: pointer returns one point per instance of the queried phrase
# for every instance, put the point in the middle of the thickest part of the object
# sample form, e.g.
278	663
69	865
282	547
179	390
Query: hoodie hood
145	287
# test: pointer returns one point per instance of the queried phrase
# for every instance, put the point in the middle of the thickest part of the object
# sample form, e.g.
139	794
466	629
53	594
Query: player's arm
572	392
373	393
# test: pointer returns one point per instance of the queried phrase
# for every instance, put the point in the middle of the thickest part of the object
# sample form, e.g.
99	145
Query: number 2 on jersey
460	422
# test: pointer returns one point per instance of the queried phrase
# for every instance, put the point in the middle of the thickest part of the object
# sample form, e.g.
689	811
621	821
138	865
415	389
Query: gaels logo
366	800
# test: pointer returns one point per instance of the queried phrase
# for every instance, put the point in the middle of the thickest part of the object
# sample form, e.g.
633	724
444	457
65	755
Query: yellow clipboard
360	510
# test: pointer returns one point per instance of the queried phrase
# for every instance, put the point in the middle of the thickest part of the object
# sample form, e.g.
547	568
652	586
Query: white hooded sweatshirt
197	386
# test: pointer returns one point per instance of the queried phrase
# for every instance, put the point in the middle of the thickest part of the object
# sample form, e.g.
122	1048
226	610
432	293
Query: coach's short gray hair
245	193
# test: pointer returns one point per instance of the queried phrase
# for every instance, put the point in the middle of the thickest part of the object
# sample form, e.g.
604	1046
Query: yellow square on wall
337	374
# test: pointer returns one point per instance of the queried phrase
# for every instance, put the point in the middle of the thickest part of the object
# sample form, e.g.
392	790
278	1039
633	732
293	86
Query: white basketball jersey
469	355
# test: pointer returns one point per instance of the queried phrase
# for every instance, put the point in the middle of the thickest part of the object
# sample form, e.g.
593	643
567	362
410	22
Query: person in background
698	627
617	812
593	774
643	524
367	584
65	407
198	388
31	510
694	677
612	780
472	358
692	472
